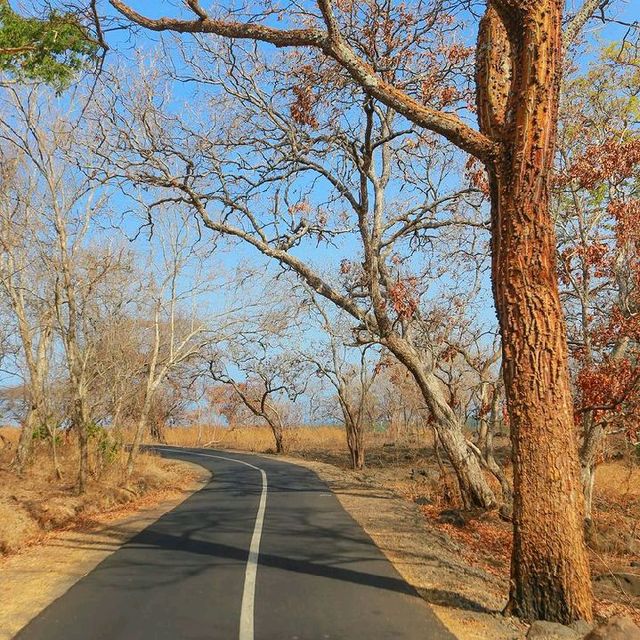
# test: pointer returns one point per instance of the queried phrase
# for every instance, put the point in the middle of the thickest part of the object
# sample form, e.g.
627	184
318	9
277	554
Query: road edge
34	578
463	624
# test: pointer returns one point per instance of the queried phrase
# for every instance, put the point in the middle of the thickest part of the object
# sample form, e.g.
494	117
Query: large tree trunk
519	69
550	573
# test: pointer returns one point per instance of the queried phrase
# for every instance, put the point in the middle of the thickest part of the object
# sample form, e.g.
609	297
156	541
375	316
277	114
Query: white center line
249	591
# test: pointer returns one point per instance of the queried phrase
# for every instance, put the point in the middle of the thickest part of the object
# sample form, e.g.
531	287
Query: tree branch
333	45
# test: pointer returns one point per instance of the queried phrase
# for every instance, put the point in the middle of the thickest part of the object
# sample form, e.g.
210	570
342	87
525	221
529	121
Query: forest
398	238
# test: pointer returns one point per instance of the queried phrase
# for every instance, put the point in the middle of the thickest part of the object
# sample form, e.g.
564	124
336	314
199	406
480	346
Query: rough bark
518	85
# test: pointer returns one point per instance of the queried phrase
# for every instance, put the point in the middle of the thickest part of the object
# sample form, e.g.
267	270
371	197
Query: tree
361	161
87	280
24	284
597	191
271	381
177	331
52	49
519	65
351	378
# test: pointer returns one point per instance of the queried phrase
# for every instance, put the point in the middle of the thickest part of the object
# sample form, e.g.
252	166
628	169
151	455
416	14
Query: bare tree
360	162
178	328
519	65
86	281
351	372
265	382
24	284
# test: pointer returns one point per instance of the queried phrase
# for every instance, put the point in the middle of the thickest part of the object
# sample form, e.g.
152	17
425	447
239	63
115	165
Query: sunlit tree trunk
474	488
519	69
25	440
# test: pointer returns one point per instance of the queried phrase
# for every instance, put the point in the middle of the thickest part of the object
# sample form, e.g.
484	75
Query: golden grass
258	438
617	478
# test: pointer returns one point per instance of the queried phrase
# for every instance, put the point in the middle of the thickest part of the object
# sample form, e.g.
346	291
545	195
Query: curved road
264	551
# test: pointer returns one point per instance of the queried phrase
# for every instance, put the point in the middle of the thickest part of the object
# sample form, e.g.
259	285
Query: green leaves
50	50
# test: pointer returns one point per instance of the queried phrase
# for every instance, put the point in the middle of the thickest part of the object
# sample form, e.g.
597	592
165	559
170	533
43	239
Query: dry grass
258	438
37	502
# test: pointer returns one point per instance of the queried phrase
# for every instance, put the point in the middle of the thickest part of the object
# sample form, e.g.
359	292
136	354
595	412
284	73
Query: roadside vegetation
39	502
404	241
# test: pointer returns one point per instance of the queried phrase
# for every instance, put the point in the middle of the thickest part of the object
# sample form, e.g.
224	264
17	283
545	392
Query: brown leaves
404	298
612	161
303	106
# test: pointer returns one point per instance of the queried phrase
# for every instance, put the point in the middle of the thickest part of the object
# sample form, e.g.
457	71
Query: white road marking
249	591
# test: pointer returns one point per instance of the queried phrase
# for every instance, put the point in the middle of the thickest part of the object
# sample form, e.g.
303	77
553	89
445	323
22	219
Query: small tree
351	373
263	379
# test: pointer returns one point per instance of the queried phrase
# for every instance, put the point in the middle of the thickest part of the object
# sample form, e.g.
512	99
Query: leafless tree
24	285
350	370
248	179
177	330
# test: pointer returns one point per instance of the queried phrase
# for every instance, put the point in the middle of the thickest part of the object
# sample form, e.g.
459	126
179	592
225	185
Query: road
263	552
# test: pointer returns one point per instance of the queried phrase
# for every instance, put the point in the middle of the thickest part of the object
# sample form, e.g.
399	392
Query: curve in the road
264	550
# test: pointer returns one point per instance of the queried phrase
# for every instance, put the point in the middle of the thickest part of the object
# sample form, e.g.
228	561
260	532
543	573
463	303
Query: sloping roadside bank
34	577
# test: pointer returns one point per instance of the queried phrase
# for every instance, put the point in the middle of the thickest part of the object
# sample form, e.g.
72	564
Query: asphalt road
263	551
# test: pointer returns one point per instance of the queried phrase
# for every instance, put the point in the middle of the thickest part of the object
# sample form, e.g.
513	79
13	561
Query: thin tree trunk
592	443
25	441
138	434
83	442
54	450
496	469
355	442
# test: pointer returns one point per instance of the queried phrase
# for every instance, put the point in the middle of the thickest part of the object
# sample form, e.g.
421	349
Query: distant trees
177	330
99	332
351	372
265	381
